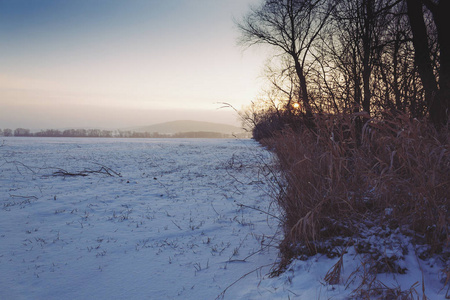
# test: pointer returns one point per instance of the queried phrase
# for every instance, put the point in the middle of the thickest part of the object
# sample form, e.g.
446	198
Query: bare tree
7	132
291	27
22	132
356	55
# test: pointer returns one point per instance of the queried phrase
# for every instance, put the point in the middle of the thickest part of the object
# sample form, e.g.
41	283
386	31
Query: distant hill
188	126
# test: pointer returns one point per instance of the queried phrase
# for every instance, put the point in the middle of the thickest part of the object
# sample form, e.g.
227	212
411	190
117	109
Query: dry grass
397	172
333	276
370	287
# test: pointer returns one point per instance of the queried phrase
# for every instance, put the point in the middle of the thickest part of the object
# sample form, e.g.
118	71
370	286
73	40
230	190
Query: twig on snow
222	294
103	170
265	212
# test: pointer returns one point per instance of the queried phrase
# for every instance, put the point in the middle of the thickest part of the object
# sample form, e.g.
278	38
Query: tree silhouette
356	56
291	27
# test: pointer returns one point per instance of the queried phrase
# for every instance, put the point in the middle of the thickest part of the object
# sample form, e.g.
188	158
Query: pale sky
121	63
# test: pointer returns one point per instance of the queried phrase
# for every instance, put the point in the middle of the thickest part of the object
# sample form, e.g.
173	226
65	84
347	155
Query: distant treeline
116	133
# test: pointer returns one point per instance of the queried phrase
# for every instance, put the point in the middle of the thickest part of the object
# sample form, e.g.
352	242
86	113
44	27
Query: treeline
22	132
57	133
356	56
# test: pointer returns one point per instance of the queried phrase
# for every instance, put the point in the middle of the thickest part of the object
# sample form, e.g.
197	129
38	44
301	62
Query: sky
115	63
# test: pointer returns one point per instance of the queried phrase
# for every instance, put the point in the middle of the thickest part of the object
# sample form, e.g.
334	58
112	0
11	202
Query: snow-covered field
169	226
153	219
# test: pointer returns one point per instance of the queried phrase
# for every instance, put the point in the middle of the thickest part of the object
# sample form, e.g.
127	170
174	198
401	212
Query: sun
296	105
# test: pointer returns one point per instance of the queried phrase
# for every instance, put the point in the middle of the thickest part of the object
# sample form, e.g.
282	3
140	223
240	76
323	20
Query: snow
157	219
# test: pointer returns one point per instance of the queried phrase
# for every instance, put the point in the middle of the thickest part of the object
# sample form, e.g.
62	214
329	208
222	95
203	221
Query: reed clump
341	177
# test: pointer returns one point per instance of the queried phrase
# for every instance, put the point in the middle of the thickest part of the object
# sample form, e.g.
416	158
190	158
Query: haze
113	64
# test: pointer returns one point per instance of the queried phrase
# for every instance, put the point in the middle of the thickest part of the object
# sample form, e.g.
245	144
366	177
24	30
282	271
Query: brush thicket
392	170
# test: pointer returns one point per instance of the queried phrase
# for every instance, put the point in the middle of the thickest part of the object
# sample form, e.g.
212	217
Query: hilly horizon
178	126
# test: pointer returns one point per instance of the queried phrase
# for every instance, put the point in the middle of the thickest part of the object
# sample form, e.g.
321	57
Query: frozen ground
155	219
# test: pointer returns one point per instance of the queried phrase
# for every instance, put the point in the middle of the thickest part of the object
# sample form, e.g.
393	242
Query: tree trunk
395	66
441	17
303	88
423	59
367	49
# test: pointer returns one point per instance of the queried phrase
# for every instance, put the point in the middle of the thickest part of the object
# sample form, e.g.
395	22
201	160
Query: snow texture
155	219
